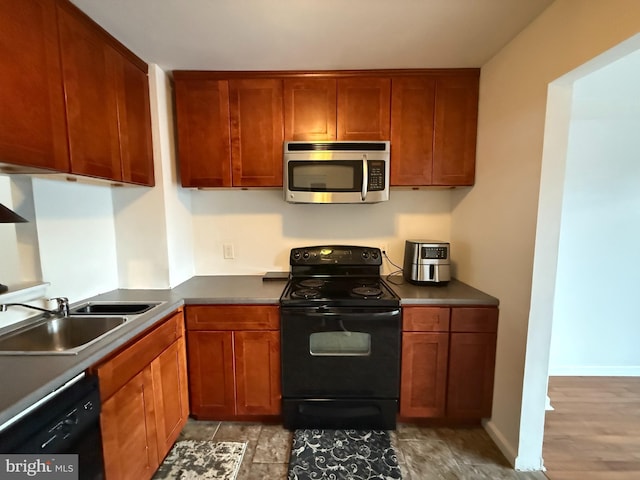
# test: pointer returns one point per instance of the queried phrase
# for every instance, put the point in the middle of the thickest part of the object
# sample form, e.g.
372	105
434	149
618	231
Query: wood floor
594	431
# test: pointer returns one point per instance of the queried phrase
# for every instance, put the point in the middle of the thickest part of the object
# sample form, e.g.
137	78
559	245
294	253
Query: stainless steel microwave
336	172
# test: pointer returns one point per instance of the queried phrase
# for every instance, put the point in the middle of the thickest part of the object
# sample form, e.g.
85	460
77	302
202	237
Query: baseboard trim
501	442
594	371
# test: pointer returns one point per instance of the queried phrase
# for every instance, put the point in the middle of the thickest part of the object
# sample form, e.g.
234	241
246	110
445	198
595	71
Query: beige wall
494	223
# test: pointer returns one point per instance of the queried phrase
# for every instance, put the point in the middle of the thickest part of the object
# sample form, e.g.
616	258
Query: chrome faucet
63	307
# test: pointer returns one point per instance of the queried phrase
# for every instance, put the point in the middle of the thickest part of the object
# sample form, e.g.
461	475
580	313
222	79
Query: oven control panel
335	255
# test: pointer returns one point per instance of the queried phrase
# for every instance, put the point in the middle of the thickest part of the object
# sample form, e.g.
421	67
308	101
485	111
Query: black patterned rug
202	459
343	455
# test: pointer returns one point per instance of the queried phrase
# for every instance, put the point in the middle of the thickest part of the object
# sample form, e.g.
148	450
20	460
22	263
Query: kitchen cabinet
234	361
423	376
335	108
310	109
231	126
203	128
472	358
74	100
433	129
32	124
107	103
255	111
448	361
230	131
143	388
455	125
364	108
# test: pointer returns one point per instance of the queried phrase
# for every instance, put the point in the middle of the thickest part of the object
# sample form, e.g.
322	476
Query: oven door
340	367
340	352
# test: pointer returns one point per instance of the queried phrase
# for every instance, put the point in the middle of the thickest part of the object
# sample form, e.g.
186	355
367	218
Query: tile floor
423	453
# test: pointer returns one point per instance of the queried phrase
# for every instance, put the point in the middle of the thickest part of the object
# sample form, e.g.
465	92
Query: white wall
595	321
77	238
10	272
263	228
153	225
494	224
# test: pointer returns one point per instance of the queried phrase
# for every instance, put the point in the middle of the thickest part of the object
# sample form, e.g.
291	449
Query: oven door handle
334	313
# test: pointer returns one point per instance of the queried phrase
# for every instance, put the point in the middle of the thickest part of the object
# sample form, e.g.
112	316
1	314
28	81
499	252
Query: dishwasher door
68	422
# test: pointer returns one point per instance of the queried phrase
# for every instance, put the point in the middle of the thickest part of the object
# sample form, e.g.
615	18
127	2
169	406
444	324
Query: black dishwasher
68	422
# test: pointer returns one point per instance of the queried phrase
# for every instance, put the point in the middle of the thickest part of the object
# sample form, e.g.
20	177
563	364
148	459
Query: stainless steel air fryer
426	262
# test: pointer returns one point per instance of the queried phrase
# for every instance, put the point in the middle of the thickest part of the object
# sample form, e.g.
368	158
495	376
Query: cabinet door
257	372
204	141
412	110
134	120
310	109
364	108
88	68
129	440
472	358
170	393
456	118
32	119
423	374
211	382
256	132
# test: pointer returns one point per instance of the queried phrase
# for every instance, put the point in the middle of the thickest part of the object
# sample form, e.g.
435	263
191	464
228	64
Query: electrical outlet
384	247
227	251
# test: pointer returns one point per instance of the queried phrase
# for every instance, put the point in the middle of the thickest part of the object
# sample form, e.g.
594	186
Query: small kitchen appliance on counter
340	341
426	262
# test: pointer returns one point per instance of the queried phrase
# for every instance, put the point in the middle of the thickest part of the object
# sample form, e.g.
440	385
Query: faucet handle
63	305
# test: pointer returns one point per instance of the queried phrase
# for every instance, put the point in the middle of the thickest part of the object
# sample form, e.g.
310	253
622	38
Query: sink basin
58	335
113	308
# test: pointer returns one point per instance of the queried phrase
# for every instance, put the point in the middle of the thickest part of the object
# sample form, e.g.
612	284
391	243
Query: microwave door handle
365	177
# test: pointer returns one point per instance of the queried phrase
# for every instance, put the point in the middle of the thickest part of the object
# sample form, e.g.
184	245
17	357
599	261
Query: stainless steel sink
58	335
113	308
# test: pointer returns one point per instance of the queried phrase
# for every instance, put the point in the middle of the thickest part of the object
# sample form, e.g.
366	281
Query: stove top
337	276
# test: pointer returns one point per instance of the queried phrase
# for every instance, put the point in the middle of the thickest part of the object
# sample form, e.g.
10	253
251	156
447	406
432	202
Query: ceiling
313	34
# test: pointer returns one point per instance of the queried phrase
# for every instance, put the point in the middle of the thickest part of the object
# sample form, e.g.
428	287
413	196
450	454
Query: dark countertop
454	293
26	379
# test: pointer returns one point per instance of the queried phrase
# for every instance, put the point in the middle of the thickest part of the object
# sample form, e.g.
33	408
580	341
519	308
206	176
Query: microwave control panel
376	176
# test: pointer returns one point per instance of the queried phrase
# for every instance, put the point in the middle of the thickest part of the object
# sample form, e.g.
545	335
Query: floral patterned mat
193	459
343	455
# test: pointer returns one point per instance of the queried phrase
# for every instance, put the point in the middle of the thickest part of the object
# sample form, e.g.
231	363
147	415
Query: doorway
589	138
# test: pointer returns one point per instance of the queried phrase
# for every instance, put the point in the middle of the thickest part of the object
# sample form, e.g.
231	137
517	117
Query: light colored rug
202	459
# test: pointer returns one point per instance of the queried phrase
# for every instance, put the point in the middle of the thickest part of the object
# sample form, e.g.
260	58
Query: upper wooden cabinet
364	108
455	124
204	139
107	101
32	119
231	125
255	111
433	129
74	100
310	109
230	132
412	109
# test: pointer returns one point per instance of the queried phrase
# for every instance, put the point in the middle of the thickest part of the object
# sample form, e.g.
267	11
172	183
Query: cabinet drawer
479	319
125	364
233	317
425	319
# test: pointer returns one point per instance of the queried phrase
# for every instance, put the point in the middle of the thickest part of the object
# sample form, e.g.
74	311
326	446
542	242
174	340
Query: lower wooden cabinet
144	401
424	374
472	358
234	361
448	361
